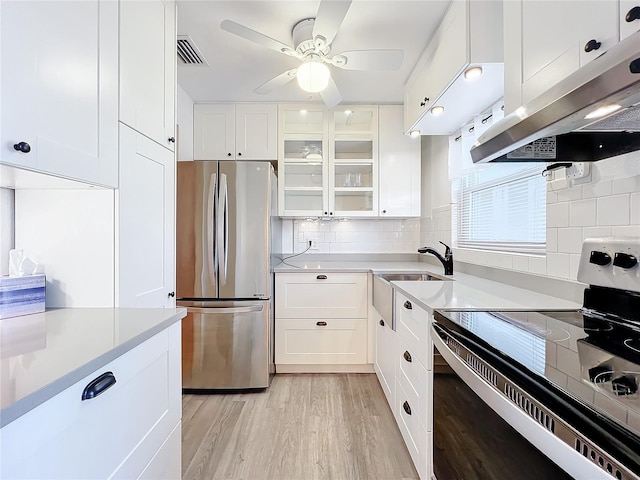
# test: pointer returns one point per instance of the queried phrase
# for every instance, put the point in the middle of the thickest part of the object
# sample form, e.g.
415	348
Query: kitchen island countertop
43	354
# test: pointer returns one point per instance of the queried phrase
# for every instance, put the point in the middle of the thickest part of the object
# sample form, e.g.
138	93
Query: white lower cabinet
130	430
403	366
321	322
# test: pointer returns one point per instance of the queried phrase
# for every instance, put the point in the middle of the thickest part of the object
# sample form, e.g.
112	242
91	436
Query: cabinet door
146	237
386	359
628	26
147	68
550	44
214	131
399	166
599	24
256	131
59	91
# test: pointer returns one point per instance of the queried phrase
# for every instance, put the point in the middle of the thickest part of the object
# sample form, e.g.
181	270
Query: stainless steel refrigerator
227	235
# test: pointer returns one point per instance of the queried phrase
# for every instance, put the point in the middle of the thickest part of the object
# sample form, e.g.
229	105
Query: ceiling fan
312	39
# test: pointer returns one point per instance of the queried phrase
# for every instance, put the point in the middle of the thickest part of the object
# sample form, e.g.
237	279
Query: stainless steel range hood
553	127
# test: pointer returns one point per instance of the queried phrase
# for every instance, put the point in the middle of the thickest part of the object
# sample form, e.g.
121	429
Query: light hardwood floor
314	426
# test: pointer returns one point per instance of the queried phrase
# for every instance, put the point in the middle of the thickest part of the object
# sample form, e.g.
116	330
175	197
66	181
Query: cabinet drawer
409	426
412	325
92	438
416	380
321	295
329	341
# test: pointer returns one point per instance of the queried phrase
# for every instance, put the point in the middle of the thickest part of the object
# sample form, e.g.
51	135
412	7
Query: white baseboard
362	368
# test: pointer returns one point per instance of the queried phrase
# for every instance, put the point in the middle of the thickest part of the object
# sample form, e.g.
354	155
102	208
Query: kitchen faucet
447	260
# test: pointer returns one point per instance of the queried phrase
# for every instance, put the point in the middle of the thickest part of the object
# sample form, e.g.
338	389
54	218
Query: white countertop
461	291
45	353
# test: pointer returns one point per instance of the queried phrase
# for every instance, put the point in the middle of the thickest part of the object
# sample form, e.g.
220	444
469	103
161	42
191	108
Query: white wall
7	227
608	205
184	115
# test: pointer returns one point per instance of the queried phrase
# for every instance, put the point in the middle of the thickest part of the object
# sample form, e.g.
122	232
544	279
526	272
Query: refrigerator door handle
253	308
211	219
223	229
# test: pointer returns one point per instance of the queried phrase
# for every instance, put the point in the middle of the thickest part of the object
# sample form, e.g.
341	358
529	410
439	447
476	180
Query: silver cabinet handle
254	308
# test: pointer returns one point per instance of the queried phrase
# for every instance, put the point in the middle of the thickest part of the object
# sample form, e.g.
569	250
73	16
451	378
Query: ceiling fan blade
331	95
257	37
276	82
330	15
369	60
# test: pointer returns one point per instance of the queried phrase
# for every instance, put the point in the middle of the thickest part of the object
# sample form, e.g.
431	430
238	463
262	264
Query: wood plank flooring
304	427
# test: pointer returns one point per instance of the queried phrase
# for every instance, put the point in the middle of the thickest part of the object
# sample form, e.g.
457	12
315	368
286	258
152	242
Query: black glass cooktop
593	359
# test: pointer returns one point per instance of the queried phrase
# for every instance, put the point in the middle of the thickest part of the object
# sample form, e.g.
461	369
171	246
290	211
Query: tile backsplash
356	235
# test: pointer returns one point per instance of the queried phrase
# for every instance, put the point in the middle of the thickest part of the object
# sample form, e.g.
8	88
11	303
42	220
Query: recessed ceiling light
602	111
472	72
348	112
303	112
414	133
437	110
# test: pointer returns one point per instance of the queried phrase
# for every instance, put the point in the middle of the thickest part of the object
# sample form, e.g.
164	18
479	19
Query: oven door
479	433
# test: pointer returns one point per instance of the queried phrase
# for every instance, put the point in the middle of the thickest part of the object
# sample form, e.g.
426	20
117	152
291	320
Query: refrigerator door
226	345
243	240
196	260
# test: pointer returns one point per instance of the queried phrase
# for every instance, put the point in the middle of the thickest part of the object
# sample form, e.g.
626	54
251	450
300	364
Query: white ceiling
237	66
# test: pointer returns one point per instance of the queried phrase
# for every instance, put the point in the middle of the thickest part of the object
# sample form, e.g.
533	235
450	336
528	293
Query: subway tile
569	240
613	210
521	263
556	376
570	194
330	237
552	197
558	215
552	239
574	263
591	232
570	362
538	265
627	231
580	389
499	260
582	213
558	265
626	185
597	189
551	354
635	209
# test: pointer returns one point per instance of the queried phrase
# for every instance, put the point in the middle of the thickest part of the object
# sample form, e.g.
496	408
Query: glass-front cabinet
327	161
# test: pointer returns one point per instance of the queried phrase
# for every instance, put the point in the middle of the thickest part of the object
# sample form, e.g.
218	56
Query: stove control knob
624	260
624	385
599	258
600	374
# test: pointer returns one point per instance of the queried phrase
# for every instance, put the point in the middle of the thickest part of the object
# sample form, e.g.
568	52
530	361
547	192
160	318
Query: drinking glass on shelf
357	179
348	179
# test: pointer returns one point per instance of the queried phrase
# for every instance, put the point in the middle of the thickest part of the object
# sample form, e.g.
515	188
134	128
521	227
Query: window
501	207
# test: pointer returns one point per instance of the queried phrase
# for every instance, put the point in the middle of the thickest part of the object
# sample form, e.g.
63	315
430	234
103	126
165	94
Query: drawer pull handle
407	356
408	305
633	14
407	408
321	277
321	324
381	322
98	385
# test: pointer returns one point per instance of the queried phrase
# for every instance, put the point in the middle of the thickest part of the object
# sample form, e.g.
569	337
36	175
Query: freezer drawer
226	345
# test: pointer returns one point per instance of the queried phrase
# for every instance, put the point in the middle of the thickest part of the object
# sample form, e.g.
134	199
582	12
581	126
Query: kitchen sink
383	292
408	277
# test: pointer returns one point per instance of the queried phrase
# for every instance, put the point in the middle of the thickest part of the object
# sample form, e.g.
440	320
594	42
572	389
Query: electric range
574	373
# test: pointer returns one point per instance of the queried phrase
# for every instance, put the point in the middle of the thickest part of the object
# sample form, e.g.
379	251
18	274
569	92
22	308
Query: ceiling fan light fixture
313	76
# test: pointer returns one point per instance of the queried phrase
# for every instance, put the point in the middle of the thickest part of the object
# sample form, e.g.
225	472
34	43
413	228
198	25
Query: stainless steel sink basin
408	277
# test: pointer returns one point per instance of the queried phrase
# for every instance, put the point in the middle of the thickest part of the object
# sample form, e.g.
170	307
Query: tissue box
21	295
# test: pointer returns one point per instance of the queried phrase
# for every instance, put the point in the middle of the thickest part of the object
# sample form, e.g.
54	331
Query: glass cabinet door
354	168
303	161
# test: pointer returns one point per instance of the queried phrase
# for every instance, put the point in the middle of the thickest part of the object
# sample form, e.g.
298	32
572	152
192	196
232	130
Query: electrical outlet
578	171
314	244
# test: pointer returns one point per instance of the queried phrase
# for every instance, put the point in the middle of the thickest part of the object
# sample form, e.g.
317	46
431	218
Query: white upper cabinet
146	223
59	88
469	35
629	17
547	41
235	132
399	166
148	68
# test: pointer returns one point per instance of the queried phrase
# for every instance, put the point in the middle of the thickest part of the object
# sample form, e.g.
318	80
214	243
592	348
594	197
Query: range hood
554	126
